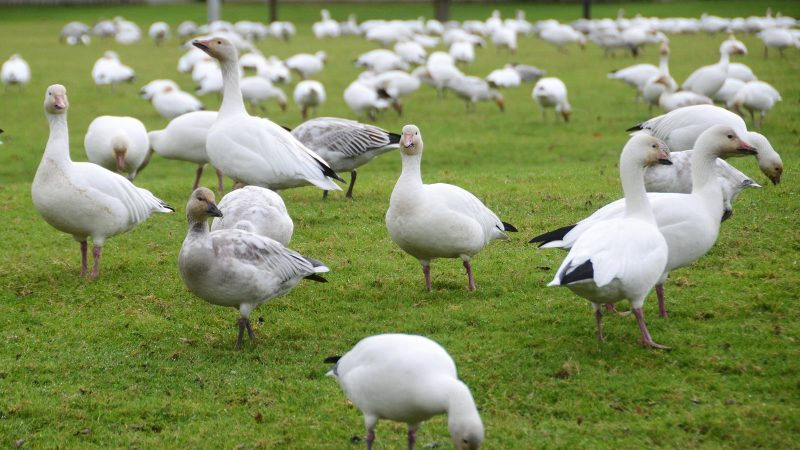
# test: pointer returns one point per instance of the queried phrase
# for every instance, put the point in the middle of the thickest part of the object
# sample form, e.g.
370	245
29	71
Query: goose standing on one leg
237	268
84	199
621	258
253	150
439	220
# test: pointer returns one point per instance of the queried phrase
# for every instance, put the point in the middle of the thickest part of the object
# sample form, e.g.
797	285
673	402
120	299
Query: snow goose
755	96
779	38
186	29
127	31
562	35
117	143
184	139
84	199
254	150
507	77
741	72
689	222
407	378
411	52
623	257
306	64
282	30
187	62
150	89
257	90
652	89
171	102
363	99
75	33
233	267
707	80
529	74
505	38
396	84
15	71
636	76
326	27
381	60
350	27
309	94
473	89
725	94
439	220
159	32
109	70
681	128
345	144
551	92
670	100
257	210
441	68
462	51
275	70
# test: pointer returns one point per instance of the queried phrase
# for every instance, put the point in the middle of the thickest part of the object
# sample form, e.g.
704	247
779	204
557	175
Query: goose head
120	144
769	161
733	47
411	140
723	141
646	151
498	98
217	47
466	430
55	100
664	49
201	205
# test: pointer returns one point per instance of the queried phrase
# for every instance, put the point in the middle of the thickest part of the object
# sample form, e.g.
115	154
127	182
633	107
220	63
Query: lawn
135	360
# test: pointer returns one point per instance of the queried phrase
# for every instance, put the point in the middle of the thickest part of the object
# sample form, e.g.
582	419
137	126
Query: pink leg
220	181
197	177
646	339
470	278
96	268
426	269
412	439
662	308
598	317
610	308
84	259
370	439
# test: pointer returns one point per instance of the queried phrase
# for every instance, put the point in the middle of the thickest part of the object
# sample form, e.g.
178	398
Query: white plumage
306	64
257	210
708	80
507	77
550	92
109	70
362	97
15	71
757	97
309	94
118	143
257	90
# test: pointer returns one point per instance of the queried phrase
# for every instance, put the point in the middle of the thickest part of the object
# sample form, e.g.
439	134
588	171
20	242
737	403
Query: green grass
134	360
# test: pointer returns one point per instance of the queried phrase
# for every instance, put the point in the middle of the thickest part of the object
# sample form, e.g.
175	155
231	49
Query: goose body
728	90
708	80
439	220
15	71
171	102
117	143
474	89
363	99
257	90
159	32
506	77
309	94
253	150
757	97
407	378
237	268
636	75
255	209
550	92
83	199
109	70
306	64
462	51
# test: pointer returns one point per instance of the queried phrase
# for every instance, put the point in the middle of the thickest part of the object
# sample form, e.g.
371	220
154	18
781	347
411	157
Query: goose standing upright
237	268
15	71
253	150
84	199
407	378
439	220
707	80
309	94
621	258
117	143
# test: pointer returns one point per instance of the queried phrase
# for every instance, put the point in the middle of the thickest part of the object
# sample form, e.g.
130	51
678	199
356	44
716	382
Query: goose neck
198	228
411	173
232	101
724	59
703	162
663	64
637	204
58	143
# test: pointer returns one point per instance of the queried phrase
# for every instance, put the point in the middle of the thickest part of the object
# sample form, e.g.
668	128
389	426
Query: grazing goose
257	90
109	70
117	143
237	268
779	38
255	209
184	139
755	96
707	80
741	72
15	71
507	77
345	144
551	92
149	90
462	51
656	85
689	222
396	84
362	97
407	378
636	76
670	99
253	150
84	199
681	128
309	94
439	220
529	74
306	64
505	38
411	52
728	90
474	89
562	35
159	32
624	257
170	102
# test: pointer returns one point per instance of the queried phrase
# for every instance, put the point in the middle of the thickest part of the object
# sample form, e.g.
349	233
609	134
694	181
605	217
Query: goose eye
654	145
730	136
219	42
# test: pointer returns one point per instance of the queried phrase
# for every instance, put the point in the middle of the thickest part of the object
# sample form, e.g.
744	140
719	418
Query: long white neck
724	60
637	205
461	410
57	149
232	102
703	162
663	64
409	186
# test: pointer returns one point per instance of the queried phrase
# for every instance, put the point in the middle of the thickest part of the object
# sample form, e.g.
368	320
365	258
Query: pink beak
202	45
408	140
60	102
120	157
746	149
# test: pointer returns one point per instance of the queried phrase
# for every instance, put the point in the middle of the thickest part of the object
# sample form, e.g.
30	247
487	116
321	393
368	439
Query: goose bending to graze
728	90
345	144
779	38
253	150
172	102
407	378
551	92
658	84
755	96
184	139
681	128
257	90
110	70
159	32
707	80
439	220
396	84
84	199
15	71
306	64
255	209
530	74
507	77
309	94
362	97
474	89
623	257
689	222
117	143
670	100
237	268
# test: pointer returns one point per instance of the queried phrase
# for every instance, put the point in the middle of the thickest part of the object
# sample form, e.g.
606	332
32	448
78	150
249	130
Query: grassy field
135	360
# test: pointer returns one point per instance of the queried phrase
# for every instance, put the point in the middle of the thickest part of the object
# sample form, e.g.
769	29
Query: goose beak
746	149
59	102
408	140
120	157
776	179
202	45
501	104
213	210
663	157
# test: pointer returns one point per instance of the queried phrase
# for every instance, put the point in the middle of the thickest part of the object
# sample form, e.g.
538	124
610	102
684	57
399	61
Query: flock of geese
677	186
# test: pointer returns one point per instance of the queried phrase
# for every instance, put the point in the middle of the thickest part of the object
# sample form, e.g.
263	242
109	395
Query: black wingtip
508	227
554	235
167	206
332	359
636	127
394	138
583	272
328	172
286	128
317	278
383	94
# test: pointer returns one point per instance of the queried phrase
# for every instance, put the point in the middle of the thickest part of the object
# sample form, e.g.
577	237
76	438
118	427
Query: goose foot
96	268
646	340
352	183
244	324
470	277
370	439
412	439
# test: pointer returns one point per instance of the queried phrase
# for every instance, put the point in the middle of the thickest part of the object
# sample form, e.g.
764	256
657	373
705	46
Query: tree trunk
441	10
273	11
587	9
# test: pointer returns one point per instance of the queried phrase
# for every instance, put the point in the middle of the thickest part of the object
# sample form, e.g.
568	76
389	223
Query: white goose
109	70
681	128
670	100
507	77
237	268
505	38
474	89
84	199
779	38
623	257
117	143
257	90
184	139
652	90
439	220
362	97
755	96
15	71
550	92
462	51
728	90
257	210
253	150
309	94
636	76
708	80
396	84
411	52
689	222
306	64
345	144
407	378
159	32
